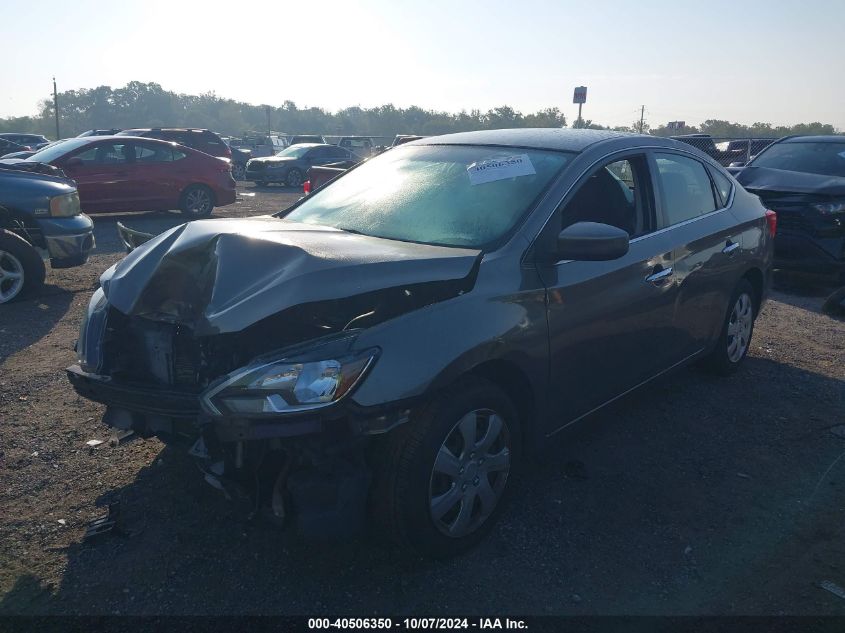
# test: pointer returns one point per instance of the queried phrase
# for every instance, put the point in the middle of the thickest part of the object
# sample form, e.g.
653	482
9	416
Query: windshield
445	195
294	151
827	159
59	149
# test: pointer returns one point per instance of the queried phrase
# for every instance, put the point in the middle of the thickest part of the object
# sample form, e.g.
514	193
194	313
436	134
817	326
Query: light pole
56	108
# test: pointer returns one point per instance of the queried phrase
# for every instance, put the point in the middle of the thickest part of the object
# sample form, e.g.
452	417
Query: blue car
40	219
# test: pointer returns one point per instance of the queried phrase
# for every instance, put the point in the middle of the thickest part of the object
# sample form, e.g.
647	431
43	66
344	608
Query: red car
124	173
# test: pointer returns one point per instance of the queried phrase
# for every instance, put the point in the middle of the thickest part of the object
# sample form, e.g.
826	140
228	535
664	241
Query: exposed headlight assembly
287	385
830	208
65	205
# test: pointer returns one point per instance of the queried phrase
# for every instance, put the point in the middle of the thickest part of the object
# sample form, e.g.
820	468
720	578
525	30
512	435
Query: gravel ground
694	496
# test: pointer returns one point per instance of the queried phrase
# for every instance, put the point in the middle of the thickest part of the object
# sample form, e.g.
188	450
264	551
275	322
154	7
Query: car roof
827	138
561	139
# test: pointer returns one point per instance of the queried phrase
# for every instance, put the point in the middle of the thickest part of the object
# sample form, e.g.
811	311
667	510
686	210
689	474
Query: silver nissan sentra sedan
394	344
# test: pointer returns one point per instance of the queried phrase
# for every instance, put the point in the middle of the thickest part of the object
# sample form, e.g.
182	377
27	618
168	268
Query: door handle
660	275
730	248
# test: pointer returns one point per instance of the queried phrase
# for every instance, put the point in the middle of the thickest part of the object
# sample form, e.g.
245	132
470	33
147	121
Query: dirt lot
696	495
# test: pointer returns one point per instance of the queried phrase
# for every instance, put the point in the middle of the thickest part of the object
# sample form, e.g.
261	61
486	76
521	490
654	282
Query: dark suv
201	140
39	218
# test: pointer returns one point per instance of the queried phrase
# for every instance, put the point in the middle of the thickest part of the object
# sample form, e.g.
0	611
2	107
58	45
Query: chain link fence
727	150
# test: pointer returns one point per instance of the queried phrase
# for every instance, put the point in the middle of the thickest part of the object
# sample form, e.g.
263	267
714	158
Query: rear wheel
197	201
294	178
22	271
238	171
735	339
446	475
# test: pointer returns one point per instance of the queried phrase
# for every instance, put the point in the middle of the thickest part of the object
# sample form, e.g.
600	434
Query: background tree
139	104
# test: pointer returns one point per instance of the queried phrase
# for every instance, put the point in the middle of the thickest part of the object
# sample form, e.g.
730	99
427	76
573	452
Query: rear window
446	195
827	159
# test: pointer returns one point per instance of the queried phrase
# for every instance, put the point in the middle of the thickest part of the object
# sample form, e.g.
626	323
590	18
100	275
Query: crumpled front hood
765	179
223	275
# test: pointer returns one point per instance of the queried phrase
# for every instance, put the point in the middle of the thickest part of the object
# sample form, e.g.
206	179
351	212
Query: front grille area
256	166
139	350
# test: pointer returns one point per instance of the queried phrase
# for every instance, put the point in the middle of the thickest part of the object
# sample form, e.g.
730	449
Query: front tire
197	201
735	338
446	475
22	270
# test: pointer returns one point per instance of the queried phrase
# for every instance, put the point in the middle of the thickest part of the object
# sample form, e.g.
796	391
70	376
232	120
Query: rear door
708	244
610	323
103	178
156	176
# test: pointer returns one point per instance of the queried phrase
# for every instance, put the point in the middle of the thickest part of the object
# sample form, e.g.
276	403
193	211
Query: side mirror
592	242
737	163
73	163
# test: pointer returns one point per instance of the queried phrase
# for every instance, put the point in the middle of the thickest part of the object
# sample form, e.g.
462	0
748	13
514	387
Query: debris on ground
121	437
105	525
93	443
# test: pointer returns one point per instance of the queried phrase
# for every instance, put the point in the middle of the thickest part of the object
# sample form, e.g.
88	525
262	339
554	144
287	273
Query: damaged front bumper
308	470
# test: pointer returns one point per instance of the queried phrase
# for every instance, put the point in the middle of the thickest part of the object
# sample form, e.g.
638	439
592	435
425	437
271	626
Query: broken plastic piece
833	588
105	524
93	443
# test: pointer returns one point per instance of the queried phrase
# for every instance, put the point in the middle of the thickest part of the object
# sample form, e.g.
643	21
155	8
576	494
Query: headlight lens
89	344
65	205
830	208
287	386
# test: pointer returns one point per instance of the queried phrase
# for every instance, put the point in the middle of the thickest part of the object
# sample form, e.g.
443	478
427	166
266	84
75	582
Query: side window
152	154
615	194
723	186
177	155
106	154
686	188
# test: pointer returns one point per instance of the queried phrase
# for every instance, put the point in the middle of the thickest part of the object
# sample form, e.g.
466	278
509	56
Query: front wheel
197	201
21	268
735	338
446	475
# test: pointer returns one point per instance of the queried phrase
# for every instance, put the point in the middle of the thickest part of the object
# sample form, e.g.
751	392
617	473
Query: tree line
139	104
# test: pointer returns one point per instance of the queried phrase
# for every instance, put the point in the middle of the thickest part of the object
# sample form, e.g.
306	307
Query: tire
417	502
238	171
737	330
22	270
294	178
197	201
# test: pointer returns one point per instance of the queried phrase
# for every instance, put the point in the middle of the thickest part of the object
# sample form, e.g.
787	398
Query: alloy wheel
11	276
198	202
470	473
739	327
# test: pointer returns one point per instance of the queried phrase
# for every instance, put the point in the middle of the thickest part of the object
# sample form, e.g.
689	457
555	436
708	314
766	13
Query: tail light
772	221
306	187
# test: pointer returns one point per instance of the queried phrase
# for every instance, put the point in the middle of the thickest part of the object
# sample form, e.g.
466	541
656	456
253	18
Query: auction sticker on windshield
500	168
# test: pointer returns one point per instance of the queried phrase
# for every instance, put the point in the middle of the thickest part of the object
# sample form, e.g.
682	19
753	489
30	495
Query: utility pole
642	118
56	108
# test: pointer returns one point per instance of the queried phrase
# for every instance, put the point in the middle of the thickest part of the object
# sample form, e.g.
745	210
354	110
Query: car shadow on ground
676	499
41	312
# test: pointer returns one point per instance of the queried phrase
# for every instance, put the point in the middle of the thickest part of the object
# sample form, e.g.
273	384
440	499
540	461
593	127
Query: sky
744	61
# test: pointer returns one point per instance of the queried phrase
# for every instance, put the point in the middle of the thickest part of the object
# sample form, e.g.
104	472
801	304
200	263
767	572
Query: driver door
103	175
610	322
